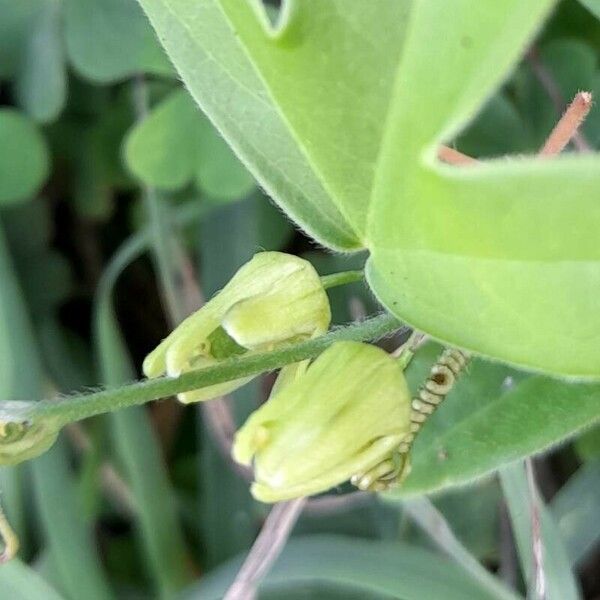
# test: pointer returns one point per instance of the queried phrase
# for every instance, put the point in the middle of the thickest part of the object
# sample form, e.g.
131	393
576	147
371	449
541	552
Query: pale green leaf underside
304	108
176	144
500	258
493	416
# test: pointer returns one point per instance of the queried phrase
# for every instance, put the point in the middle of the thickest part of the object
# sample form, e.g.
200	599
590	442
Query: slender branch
568	125
265	551
432	522
454	157
81	406
343	278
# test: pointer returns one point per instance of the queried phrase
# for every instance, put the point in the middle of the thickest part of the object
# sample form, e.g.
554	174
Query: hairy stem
343	278
81	406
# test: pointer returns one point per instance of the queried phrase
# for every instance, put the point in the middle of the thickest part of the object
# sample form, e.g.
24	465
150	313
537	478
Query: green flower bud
342	415
23	437
272	300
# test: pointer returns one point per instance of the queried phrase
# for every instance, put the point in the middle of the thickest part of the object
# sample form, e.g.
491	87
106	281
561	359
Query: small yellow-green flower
272	300
342	415
22	437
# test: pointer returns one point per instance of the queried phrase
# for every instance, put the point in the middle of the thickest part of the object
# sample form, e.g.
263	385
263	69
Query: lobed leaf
497	258
303	103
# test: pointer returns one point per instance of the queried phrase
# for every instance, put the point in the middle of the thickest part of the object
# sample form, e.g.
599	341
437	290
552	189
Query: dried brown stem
568	125
538	577
454	157
265	550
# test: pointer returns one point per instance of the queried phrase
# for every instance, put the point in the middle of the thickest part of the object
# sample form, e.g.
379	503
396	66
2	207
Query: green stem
81	406
343	278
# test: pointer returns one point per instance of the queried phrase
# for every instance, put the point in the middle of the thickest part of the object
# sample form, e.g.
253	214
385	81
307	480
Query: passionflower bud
21	435
272	300
343	414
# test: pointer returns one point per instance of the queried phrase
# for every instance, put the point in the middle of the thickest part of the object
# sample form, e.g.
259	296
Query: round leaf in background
109	40
176	144
23	157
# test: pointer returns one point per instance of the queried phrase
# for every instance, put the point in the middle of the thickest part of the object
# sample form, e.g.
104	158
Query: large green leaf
303	105
108	40
498	258
493	416
176	144
328	567
23	157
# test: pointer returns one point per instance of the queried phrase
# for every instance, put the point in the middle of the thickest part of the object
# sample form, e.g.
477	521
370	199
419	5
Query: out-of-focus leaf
45	273
472	513
493	416
136	446
498	130
593	6
571	64
176	144
587	444
560	584
42	80
23	157
575	510
16	17
331	565
20	582
68	537
109	40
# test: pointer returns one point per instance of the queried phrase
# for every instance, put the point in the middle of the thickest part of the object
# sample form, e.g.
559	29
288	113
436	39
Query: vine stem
343	278
81	406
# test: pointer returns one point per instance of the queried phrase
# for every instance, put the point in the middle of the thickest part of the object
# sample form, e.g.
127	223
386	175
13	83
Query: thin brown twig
455	157
568	125
266	549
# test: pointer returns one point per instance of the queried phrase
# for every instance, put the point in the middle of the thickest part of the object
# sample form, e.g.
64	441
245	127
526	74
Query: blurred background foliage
120	205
